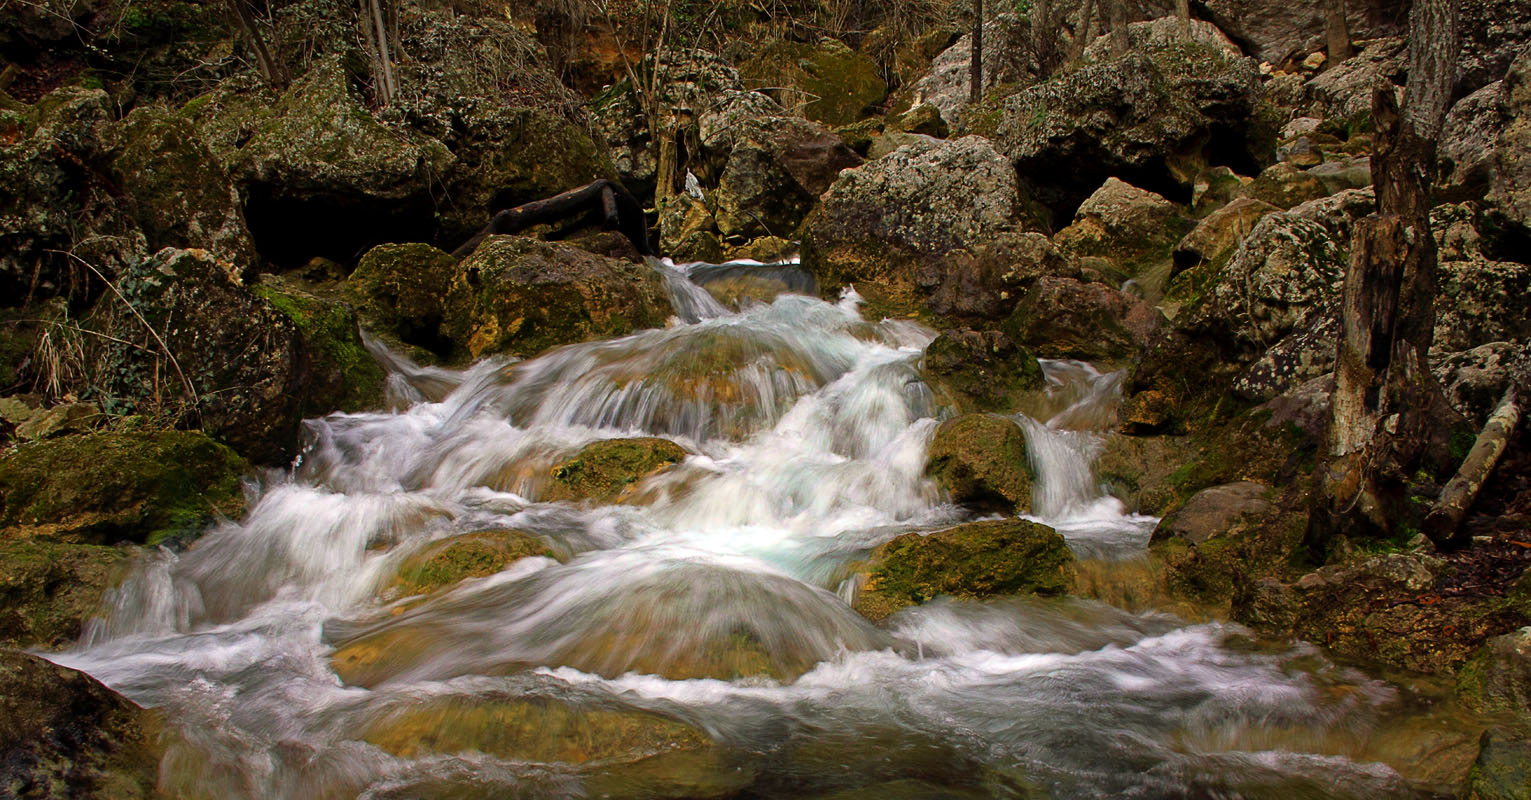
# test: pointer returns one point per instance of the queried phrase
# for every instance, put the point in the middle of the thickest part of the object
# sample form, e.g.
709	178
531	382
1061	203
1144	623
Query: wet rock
49	589
1137	469
972	561
64	735
520	296
177	192
1284	185
627	753
1503	768
1498	676
344	376
607	471
688	230
1066	318
1217	235
1213	512
399	289
112	487
1144	117
447	562
980	461
206	352
888	228
979	371
1133	228
828	81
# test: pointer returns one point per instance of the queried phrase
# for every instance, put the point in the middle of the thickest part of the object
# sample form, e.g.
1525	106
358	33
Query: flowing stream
807	429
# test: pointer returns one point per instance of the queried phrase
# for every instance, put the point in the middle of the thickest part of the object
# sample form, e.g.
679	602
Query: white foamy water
807	429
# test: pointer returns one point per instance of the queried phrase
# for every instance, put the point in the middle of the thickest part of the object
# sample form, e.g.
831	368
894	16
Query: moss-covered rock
602	472
1131	228
65	735
471	555
1502	770
520	296
399	289
1066	318
975	371
1498	675
345	377
980	461
628	753
49	589
201	350
834	84
972	561
112	487
178	193
1284	186
1215	511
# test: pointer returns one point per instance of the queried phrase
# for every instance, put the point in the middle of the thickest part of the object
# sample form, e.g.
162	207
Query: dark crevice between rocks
290	231
1061	187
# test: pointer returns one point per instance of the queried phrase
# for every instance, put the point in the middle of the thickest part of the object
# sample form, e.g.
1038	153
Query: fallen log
1444	522
619	210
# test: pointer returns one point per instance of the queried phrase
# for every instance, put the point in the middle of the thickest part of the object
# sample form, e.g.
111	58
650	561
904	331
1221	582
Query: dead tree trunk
271	70
1444	522
1388	414
975	71
619	211
1086	31
1337	31
1044	37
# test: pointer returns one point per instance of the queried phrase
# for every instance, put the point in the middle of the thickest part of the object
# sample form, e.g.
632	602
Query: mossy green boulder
65	736
972	561
602	471
980	371
980	461
520	296
1503	768
835	84
104	488
398	290
471	555
345	377
49	589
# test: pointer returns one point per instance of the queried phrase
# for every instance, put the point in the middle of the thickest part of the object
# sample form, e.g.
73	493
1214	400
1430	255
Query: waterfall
287	667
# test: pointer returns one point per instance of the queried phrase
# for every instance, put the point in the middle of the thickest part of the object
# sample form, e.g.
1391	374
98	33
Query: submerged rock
980	461
111	487
972	561
64	735
452	560
606	471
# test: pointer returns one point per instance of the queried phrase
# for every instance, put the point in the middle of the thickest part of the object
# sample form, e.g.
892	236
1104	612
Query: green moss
973	561
601	470
473	555
348	378
48	590
110	487
980	460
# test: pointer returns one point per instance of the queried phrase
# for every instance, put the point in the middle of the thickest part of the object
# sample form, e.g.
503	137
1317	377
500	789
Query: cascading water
808	428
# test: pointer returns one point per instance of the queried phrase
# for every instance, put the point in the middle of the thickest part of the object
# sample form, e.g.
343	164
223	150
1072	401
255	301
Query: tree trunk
1116	11
1183	11
975	71
1044	37
1337	31
1444	523
271	70
1388	415
375	28
1086	31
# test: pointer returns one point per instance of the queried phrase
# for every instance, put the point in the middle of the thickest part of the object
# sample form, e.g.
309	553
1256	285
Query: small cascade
289	666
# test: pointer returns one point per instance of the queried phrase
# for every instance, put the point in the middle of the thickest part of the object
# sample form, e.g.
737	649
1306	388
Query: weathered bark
1183	12
1085	33
271	70
1444	522
1388	415
1116	13
975	70
1044	37
1337	31
619	210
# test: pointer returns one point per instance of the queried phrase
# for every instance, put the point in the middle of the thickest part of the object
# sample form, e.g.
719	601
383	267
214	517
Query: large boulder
343	375
1278	32
1512	150
65	735
1219	233
201	349
520	296
1149	118
947	84
1468	144
976	371
980	461
105	488
1133	229
398	289
973	561
604	471
1216	511
888	228
1474	380
1068	318
1342	94
827	81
